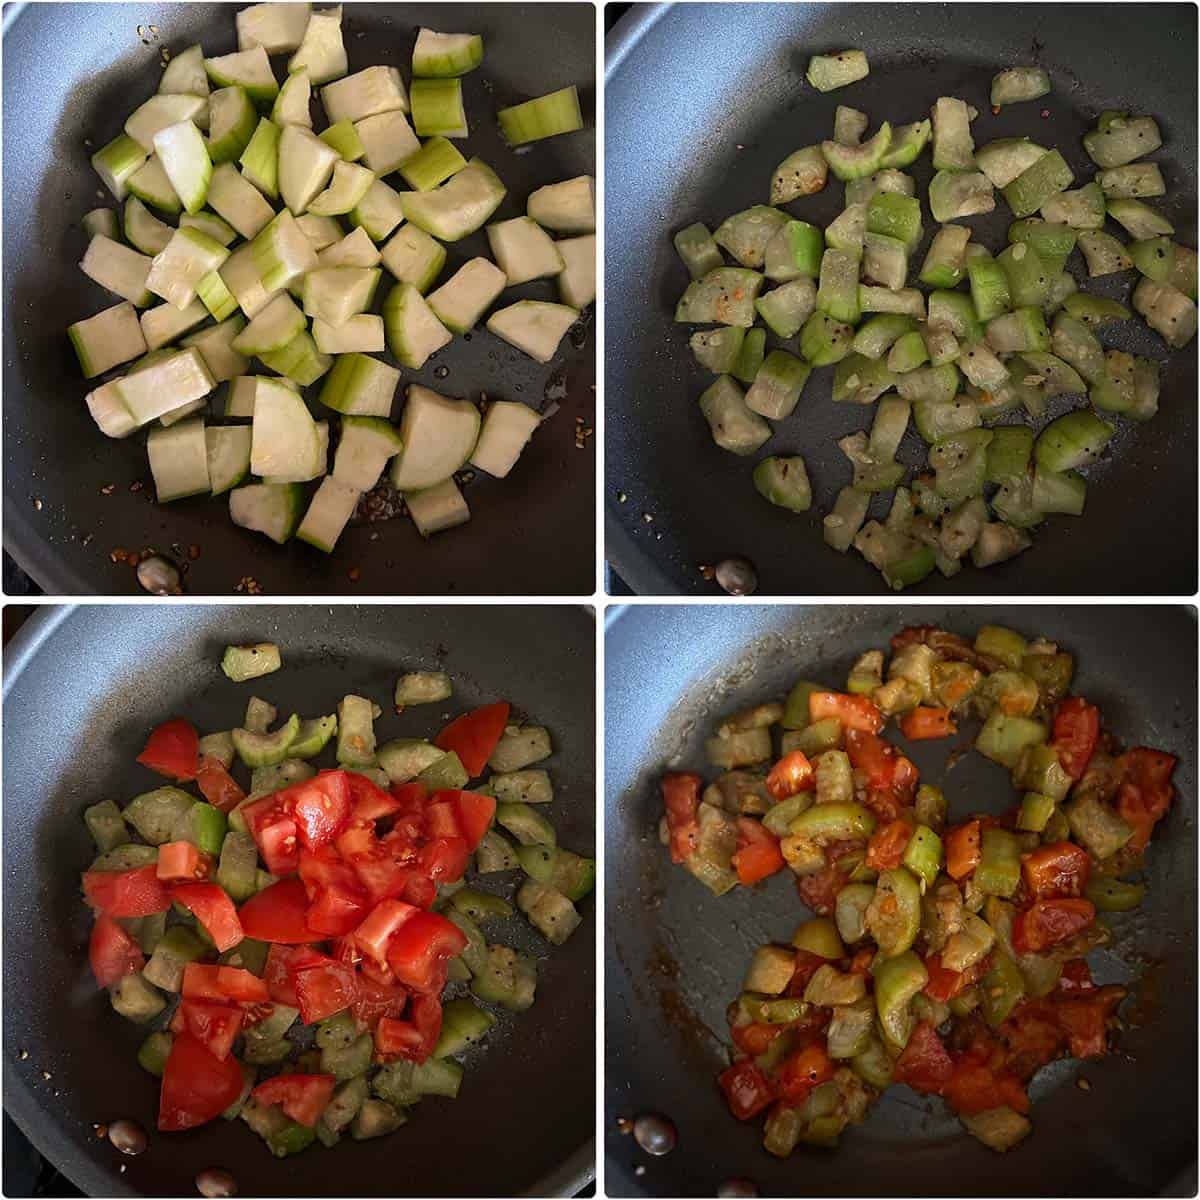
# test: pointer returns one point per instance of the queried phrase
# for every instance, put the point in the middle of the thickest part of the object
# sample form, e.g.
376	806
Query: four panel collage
459	466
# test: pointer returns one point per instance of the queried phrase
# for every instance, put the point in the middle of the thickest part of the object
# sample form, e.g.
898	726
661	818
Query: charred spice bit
137	485
101	1131
193	552
1084	1085
624	1125
995	110
354	574
1044	113
119	554
108	489
707	573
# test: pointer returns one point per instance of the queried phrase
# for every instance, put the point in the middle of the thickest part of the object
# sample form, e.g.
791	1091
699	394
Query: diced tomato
335	913
302	1097
945	984
216	784
1076	976
326	868
420	948
196	1085
112	953
338	901
747	1090
819	890
963	849
181	861
409	819
753	1039
415	1038
279	914
473	813
792	774
1084	1018
136	893
213	908
924	1064
1032	1037
854	712
891	778
444	859
474	735
1146	791
887	845
173	749
860	964
807	964
758	854
323	986
379	973
375	932
376	1000
923	723
802	1071
1055	871
681	799
441	819
1048	922
278	978
974	1088
320	807
1076	731
274	832
368	801
216	1025
226	985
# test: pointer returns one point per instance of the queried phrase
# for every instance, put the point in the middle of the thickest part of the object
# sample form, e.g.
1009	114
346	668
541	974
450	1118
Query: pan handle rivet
655	1134
127	1136
737	576
212	1182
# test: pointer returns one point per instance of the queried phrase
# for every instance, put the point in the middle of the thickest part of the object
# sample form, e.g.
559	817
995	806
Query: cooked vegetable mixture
977	339
948	956
260	265
288	944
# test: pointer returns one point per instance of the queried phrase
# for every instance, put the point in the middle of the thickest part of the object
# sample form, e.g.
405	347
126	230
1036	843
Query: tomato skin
420	948
1048	922
113	954
887	845
1075	734
474	735
196	1085
747	1090
216	784
1146	791
136	893
375	932
804	1070
216	1025
212	907
681	799
1056	871
277	976
855	712
226	985
792	774
180	862
415	1038
302	1097
964	849
173	750
819	890
924	1063
323	986
279	914
923	723
473	815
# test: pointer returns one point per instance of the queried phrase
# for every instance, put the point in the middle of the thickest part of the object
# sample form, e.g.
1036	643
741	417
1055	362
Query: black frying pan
81	687
72	74
675	956
702	102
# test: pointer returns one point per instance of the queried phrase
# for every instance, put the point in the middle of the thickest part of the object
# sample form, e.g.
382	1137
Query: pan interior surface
82	687
676	956
703	101
535	524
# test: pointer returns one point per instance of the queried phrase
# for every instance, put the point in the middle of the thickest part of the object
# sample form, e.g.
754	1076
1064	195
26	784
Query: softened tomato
173	749
923	723
474	735
804	1070
806	965
233	985
136	893
887	845
113	954
855	712
1075	733
323	986
421	947
1076	976
279	913
302	1097
975	1087
1146	791
414	1038
819	890
1084	1018
757	854
213	908
753	1039
197	1086
891	779
216	1025
792	774
180	862
1047	922
924	1064
681	799
747	1090
1056	871
945	984
216	784
964	849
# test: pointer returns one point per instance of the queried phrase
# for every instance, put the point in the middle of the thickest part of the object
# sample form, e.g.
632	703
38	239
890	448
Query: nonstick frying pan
675	956
81	687
72	74
702	102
